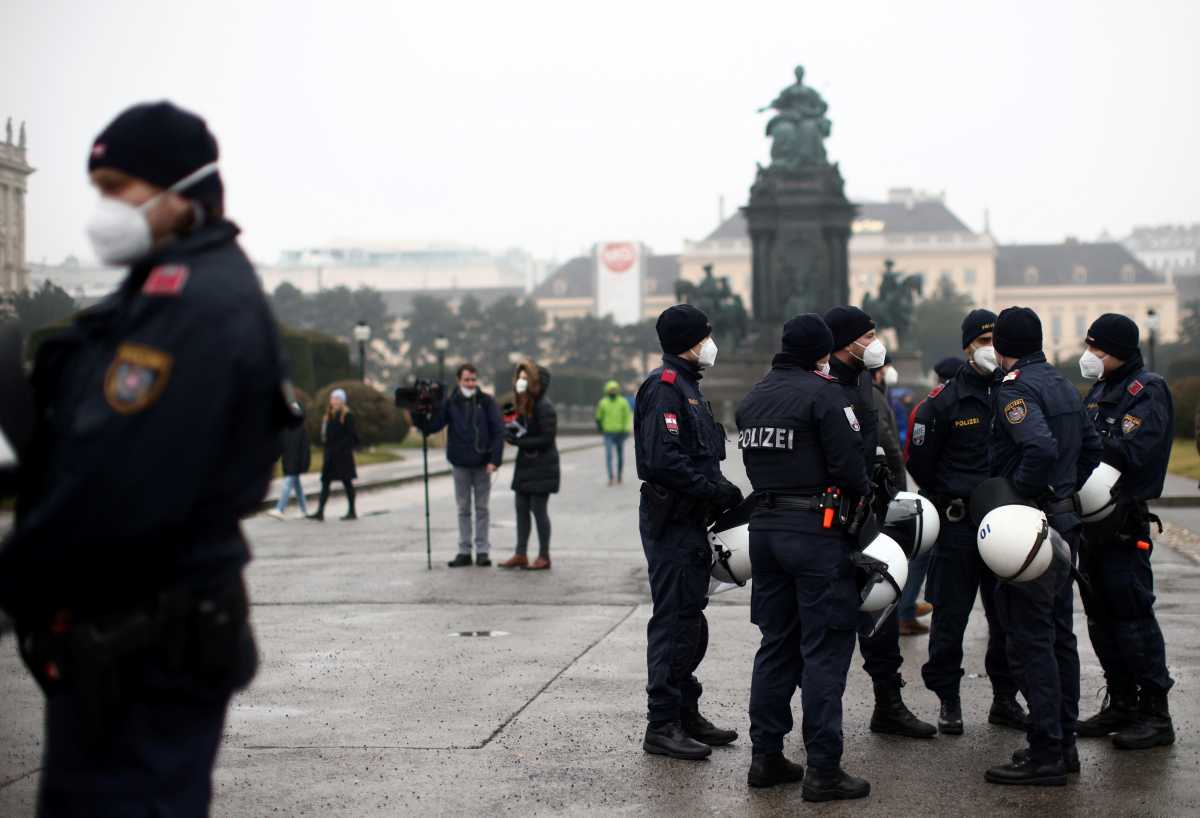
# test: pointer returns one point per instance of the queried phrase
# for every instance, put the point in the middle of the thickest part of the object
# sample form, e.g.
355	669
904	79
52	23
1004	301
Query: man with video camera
475	449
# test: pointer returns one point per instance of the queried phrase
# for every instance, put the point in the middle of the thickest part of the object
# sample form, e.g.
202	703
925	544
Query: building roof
913	216
577	277
1070	263
1164	237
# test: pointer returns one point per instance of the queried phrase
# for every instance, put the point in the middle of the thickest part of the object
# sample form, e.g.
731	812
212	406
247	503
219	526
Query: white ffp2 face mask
874	354
522	386
468	391
890	376
984	358
119	231
708	353
1091	365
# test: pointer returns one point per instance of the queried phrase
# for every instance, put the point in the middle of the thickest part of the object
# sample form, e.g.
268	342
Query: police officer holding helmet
1042	442
679	448
803	453
157	420
856	349
1131	409
947	455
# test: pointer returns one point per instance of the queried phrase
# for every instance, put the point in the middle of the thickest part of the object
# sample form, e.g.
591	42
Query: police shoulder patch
918	435
136	377
1130	423
1016	411
671	420
166	279
937	390
852	418
1011	376
1134	387
668	376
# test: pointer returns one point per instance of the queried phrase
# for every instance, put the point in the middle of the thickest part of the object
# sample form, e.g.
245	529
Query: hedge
376	416
315	359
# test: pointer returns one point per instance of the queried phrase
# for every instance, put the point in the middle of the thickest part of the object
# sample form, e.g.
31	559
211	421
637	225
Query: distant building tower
13	172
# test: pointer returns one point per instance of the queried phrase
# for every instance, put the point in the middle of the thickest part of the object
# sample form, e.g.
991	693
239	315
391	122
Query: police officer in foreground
801	444
948	457
1042	442
856	350
158	418
1131	409
679	448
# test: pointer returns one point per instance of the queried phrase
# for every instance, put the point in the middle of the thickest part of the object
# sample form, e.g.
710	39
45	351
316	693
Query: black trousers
538	506
956	573
1121	621
805	602
348	485
1043	653
678	562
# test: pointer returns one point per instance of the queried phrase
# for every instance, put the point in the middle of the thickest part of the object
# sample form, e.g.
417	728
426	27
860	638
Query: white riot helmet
912	521
1096	498
730	541
882	570
1013	536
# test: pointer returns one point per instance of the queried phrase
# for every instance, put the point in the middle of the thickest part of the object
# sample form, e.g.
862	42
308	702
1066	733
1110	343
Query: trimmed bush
315	359
1186	394
376	417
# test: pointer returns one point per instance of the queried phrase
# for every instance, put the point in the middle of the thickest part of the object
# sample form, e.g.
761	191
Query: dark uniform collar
682	366
844	372
973	382
1038	357
1113	385
210	235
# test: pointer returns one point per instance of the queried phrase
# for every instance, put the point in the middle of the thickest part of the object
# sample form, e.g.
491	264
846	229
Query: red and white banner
620	270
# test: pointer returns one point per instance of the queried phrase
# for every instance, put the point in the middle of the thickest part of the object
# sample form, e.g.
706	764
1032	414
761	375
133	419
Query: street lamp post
1152	320
362	334
441	344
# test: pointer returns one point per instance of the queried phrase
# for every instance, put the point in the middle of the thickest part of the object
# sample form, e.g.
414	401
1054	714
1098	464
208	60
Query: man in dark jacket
475	449
296	460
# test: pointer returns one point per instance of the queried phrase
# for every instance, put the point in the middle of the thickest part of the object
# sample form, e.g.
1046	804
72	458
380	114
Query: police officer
947	456
1042	442
799	438
856	349
158	417
679	448
1132	410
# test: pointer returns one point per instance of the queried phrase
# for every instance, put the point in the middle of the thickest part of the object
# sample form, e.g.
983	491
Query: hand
490	468
729	495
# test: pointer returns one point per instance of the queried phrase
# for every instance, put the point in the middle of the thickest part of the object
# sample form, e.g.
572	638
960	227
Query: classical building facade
915	230
1170	249
14	170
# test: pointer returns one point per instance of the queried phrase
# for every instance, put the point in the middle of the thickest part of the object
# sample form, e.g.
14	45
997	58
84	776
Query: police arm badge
671	420
136	378
1016	411
1130	424
918	434
852	419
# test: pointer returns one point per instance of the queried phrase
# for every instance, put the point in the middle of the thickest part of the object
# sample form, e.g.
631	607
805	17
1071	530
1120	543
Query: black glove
728	495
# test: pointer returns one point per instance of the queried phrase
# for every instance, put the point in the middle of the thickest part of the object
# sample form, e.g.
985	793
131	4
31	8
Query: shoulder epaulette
1011	376
823	375
668	376
937	390
1135	386
166	279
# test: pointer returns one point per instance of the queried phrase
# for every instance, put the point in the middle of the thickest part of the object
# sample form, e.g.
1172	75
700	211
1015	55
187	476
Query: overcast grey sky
550	125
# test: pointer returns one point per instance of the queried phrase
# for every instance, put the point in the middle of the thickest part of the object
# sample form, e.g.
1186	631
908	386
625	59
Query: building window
1056	328
1031	275
947	276
1080	325
1128	273
968	278
1079	274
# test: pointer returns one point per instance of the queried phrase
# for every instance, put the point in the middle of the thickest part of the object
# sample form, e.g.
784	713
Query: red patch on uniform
1011	376
668	376
822	374
166	279
672	422
937	390
1135	387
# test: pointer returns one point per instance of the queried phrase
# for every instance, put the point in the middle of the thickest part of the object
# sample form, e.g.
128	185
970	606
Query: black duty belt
790	502
954	509
1064	506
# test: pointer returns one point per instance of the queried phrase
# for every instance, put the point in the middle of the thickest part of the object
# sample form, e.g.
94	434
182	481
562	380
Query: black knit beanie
681	327
978	322
1115	334
808	338
848	324
1018	332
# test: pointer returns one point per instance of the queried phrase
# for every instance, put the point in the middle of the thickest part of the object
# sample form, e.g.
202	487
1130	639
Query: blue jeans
291	482
916	578
614	442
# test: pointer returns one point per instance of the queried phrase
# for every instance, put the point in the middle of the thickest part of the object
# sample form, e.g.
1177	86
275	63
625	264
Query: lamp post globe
441	344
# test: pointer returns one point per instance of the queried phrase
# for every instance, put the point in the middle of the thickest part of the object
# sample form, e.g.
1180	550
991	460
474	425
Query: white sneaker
277	514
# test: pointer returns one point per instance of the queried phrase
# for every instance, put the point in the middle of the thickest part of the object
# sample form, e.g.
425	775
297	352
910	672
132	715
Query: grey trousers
472	482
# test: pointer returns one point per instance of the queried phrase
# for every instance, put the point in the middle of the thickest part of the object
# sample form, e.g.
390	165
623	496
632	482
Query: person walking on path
296	460
341	437
475	449
614	420
536	475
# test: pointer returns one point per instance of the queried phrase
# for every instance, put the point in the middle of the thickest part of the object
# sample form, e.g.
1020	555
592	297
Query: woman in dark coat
536	474
297	457
340	437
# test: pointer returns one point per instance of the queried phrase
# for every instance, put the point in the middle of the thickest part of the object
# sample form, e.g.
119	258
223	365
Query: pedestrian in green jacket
614	420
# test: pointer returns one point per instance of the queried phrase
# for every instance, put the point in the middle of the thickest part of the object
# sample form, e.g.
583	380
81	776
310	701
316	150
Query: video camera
423	397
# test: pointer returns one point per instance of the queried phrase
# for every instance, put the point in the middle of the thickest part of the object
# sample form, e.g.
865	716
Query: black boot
1120	710
1070	758
1153	727
1007	712
1029	773
769	769
459	561
893	718
703	730
670	740
833	785
950	717
318	515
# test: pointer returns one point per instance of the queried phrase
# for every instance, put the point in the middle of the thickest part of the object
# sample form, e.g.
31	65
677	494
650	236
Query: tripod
425	477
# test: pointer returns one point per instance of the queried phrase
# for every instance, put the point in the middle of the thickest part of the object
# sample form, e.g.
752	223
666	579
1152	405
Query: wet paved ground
366	705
